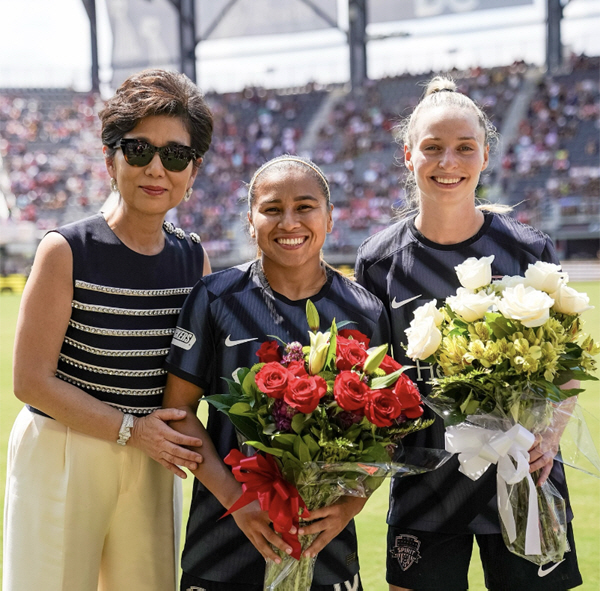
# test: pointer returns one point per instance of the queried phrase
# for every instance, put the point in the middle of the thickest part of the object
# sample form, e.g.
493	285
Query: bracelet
125	430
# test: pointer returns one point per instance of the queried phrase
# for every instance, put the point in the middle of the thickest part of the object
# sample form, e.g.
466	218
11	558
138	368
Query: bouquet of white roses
327	419
503	349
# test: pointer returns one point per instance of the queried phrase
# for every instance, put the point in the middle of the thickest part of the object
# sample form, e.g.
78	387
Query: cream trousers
82	514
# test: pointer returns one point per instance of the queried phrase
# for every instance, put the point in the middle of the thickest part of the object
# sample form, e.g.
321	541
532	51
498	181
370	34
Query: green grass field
584	489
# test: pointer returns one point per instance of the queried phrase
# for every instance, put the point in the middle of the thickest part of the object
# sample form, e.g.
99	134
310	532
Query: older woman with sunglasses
90	501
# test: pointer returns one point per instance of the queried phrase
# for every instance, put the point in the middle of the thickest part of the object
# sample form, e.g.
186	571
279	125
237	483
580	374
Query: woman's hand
255	524
541	456
331	521
153	436
545	448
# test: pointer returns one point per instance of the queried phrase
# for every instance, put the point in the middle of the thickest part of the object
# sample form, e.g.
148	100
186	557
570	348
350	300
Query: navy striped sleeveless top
124	310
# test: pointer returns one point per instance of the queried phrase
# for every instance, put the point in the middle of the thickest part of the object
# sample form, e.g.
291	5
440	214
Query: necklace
267	293
269	296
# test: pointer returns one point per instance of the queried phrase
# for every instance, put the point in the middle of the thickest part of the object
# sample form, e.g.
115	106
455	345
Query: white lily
319	346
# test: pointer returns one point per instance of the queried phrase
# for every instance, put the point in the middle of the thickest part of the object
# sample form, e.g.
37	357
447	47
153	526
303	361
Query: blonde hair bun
439	84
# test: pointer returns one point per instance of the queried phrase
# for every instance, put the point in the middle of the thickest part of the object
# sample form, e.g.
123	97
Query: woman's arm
541	454
41	326
215	475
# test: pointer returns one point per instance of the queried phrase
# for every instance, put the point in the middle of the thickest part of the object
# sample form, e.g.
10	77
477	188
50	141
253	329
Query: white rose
429	310
507	281
474	273
526	304
424	337
471	306
570	301
545	276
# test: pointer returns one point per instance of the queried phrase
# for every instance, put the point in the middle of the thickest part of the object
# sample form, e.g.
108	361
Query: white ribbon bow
478	448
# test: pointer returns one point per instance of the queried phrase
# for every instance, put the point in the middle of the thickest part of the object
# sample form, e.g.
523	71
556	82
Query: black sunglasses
140	153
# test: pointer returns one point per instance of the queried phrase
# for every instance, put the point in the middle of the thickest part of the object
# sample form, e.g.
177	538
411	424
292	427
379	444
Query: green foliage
321	435
370	522
484	362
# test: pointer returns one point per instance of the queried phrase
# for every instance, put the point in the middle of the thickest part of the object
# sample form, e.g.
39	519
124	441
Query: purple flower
293	352
282	414
346	419
402	418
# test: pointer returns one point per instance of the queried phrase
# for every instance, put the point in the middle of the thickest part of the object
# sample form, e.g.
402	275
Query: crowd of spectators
49	141
553	164
49	145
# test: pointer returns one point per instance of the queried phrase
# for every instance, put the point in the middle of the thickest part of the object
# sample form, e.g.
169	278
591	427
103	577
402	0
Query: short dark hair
157	92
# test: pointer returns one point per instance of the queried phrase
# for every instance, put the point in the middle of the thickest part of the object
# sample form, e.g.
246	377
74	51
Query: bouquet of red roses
328	418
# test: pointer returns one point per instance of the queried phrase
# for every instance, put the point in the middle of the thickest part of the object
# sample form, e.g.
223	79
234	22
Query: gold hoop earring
113	185
188	194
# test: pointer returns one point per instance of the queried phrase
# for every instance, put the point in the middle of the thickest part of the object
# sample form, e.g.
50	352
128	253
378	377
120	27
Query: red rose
389	365
297	368
407	392
409	397
305	392
356	335
350	391
413	413
349	354
269	351
272	379
382	407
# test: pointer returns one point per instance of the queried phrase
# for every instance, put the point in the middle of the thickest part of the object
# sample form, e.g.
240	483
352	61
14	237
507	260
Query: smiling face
447	153
290	217
152	189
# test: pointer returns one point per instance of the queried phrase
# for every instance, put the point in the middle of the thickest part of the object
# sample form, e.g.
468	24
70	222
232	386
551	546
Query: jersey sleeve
371	276
382	332
360	270
192	353
549	253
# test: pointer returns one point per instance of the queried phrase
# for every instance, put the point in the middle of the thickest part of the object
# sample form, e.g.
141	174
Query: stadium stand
547	168
551	171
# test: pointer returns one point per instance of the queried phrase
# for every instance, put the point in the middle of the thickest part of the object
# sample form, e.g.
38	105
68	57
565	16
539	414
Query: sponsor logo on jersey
406	550
542	572
184	338
230	343
396	305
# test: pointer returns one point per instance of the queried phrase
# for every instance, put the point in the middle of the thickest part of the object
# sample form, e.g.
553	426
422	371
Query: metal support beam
187	36
320	13
554	13
357	17
90	8
218	19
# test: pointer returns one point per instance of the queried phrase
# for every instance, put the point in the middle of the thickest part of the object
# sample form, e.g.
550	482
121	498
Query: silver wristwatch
125	430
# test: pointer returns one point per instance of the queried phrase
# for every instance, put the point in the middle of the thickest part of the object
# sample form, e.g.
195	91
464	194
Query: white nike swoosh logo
543	573
396	304
230	343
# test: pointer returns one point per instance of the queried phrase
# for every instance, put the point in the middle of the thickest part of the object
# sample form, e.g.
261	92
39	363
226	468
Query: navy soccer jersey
405	270
222	325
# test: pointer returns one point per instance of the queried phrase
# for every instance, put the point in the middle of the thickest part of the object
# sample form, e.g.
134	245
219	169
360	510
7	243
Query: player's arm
214	474
41	326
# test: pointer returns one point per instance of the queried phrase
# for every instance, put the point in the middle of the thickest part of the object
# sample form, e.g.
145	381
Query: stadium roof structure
166	33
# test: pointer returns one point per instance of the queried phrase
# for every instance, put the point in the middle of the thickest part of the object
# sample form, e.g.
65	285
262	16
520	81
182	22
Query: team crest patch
184	338
406	550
